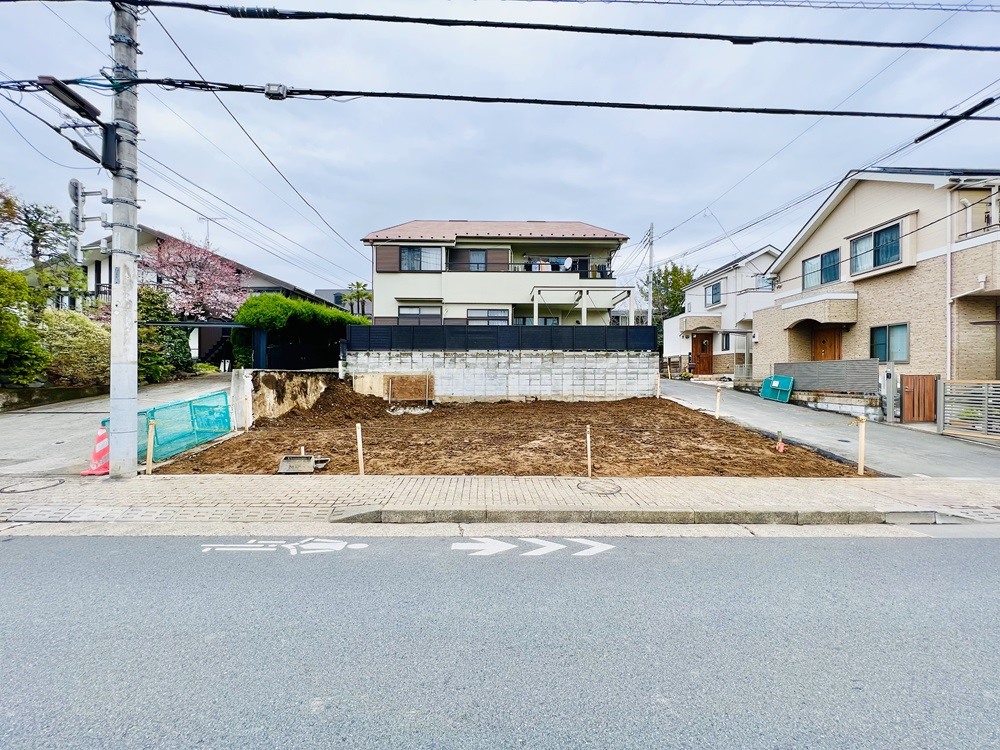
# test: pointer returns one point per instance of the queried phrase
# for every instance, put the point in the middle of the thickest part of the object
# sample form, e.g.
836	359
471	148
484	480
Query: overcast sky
369	164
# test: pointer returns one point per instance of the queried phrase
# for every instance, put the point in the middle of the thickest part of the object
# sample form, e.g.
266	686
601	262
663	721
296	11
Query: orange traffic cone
100	459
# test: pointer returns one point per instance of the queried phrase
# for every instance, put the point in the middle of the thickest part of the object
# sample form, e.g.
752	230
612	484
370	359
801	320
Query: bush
287	321
22	357
80	349
164	351
205	368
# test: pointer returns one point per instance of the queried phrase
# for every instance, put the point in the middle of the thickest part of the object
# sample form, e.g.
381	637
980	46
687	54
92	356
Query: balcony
582	267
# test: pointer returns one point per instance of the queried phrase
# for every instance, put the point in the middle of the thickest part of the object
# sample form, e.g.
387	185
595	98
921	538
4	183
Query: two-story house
899	265
494	273
716	327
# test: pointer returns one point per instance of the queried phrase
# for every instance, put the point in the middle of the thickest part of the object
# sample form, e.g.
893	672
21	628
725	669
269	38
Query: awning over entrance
830	309
690	323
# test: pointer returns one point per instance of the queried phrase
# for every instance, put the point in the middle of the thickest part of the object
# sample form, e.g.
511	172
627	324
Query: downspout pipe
968	215
949	302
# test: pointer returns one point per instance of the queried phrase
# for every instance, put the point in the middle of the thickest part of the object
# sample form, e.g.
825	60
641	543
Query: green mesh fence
181	425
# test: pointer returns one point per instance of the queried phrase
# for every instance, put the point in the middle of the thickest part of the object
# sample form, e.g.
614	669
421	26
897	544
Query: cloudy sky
368	164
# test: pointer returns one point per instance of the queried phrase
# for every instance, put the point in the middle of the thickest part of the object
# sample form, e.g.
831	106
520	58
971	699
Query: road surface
410	643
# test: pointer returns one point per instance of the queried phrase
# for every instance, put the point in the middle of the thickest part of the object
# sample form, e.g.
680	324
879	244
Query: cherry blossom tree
201	284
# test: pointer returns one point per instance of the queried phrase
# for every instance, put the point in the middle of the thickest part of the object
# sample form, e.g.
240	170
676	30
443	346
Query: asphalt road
407	643
59	438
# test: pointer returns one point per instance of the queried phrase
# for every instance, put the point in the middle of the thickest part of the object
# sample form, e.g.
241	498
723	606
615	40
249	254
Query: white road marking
544	547
308	546
596	548
484	546
922	476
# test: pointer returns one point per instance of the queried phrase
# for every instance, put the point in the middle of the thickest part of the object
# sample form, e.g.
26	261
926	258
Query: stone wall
513	375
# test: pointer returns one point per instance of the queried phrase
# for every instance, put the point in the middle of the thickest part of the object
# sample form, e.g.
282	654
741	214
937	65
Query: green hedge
287	321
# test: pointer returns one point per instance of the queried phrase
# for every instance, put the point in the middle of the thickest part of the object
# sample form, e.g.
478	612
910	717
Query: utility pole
649	279
124	248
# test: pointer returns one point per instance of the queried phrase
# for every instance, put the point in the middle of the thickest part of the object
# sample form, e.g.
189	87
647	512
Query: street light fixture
69	98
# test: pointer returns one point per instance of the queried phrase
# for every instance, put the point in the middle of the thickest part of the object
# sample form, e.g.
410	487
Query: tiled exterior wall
518	376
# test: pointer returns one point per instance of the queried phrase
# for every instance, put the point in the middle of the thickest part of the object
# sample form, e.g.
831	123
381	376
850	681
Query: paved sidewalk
468	499
889	449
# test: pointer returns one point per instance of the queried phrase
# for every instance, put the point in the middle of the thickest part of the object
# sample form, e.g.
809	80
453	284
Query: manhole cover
598	487
31	485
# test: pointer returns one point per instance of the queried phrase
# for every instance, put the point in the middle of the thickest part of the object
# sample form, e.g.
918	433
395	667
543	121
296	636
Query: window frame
421	318
489	319
713	294
872	350
424	254
724	341
856	270
821	268
528	320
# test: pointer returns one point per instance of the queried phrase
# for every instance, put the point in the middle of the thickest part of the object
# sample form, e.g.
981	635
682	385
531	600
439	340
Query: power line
254	142
215	87
943	7
32	145
274	14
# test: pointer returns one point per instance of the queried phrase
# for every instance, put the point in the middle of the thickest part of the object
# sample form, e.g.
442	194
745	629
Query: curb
410	514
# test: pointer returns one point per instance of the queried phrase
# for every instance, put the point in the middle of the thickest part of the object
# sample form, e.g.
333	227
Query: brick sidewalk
502	499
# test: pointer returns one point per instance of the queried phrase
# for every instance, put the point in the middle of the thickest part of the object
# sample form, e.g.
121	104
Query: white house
716	327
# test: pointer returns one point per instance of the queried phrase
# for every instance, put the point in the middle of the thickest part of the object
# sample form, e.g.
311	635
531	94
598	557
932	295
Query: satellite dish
568	264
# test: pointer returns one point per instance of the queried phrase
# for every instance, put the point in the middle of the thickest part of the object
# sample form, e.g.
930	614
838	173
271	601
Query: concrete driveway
891	449
59	438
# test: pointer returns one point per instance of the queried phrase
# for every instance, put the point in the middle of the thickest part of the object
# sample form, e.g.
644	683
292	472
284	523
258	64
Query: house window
477	260
875	250
821	269
891	343
713	294
419	316
542	321
725	342
486	317
765	284
420	259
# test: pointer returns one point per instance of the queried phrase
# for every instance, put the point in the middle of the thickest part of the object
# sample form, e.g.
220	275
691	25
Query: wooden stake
150	436
590	462
862	421
390	392
247	409
361	451
718	400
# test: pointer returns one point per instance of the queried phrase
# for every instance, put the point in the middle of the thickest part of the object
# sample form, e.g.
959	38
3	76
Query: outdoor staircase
223	349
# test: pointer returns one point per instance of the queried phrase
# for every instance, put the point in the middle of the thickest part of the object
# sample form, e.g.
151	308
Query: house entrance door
701	353
826	344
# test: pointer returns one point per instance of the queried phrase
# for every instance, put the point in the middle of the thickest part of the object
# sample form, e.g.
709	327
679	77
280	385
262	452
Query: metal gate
919	397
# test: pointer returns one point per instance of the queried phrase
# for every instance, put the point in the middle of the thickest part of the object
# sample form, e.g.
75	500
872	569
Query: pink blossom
201	285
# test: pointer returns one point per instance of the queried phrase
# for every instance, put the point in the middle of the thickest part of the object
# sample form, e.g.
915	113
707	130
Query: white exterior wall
515	375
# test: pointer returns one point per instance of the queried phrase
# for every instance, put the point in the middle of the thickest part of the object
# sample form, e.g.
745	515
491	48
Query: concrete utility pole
124	249
649	279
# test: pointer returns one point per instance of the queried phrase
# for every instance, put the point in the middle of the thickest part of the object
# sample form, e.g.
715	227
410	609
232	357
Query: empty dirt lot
632	438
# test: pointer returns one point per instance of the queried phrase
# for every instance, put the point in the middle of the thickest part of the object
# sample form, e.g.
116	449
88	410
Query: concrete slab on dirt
890	449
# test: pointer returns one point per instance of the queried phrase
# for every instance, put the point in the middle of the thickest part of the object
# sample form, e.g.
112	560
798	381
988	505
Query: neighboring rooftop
734	263
450	231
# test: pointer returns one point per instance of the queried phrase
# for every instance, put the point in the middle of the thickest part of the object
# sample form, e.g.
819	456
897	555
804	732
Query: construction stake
861	445
361	451
590	462
247	408
150	435
718	400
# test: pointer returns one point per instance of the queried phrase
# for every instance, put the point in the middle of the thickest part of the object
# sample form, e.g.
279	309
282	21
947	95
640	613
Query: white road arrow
484	546
544	547
596	548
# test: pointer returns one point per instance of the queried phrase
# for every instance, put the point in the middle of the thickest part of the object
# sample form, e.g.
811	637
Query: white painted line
544	547
308	546
596	548
484	546
922	476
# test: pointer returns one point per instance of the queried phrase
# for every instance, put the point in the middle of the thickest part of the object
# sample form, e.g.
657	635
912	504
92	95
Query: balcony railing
582	267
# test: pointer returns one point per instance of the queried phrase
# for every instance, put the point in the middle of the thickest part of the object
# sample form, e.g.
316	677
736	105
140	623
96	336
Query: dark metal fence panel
834	376
501	338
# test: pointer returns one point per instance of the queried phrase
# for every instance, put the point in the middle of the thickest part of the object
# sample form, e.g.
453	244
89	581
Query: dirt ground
631	438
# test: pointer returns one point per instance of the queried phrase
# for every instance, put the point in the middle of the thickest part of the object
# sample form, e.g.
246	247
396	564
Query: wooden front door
826	344
701	353
919	397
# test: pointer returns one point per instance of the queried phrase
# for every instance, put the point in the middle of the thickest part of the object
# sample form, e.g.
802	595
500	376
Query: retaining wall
512	375
274	393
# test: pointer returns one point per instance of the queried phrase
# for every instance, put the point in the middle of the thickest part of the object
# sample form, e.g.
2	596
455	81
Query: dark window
420	259
876	249
419	316
891	343
477	260
713	294
821	269
542	321
487	317
725	342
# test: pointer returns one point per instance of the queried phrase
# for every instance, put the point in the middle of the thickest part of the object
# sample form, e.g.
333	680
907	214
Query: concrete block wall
519	375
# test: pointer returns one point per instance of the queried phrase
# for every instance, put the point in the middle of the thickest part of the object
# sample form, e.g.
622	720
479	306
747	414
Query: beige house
902	265
494	273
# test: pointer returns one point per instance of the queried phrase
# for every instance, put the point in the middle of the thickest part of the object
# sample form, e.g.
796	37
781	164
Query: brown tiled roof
449	231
